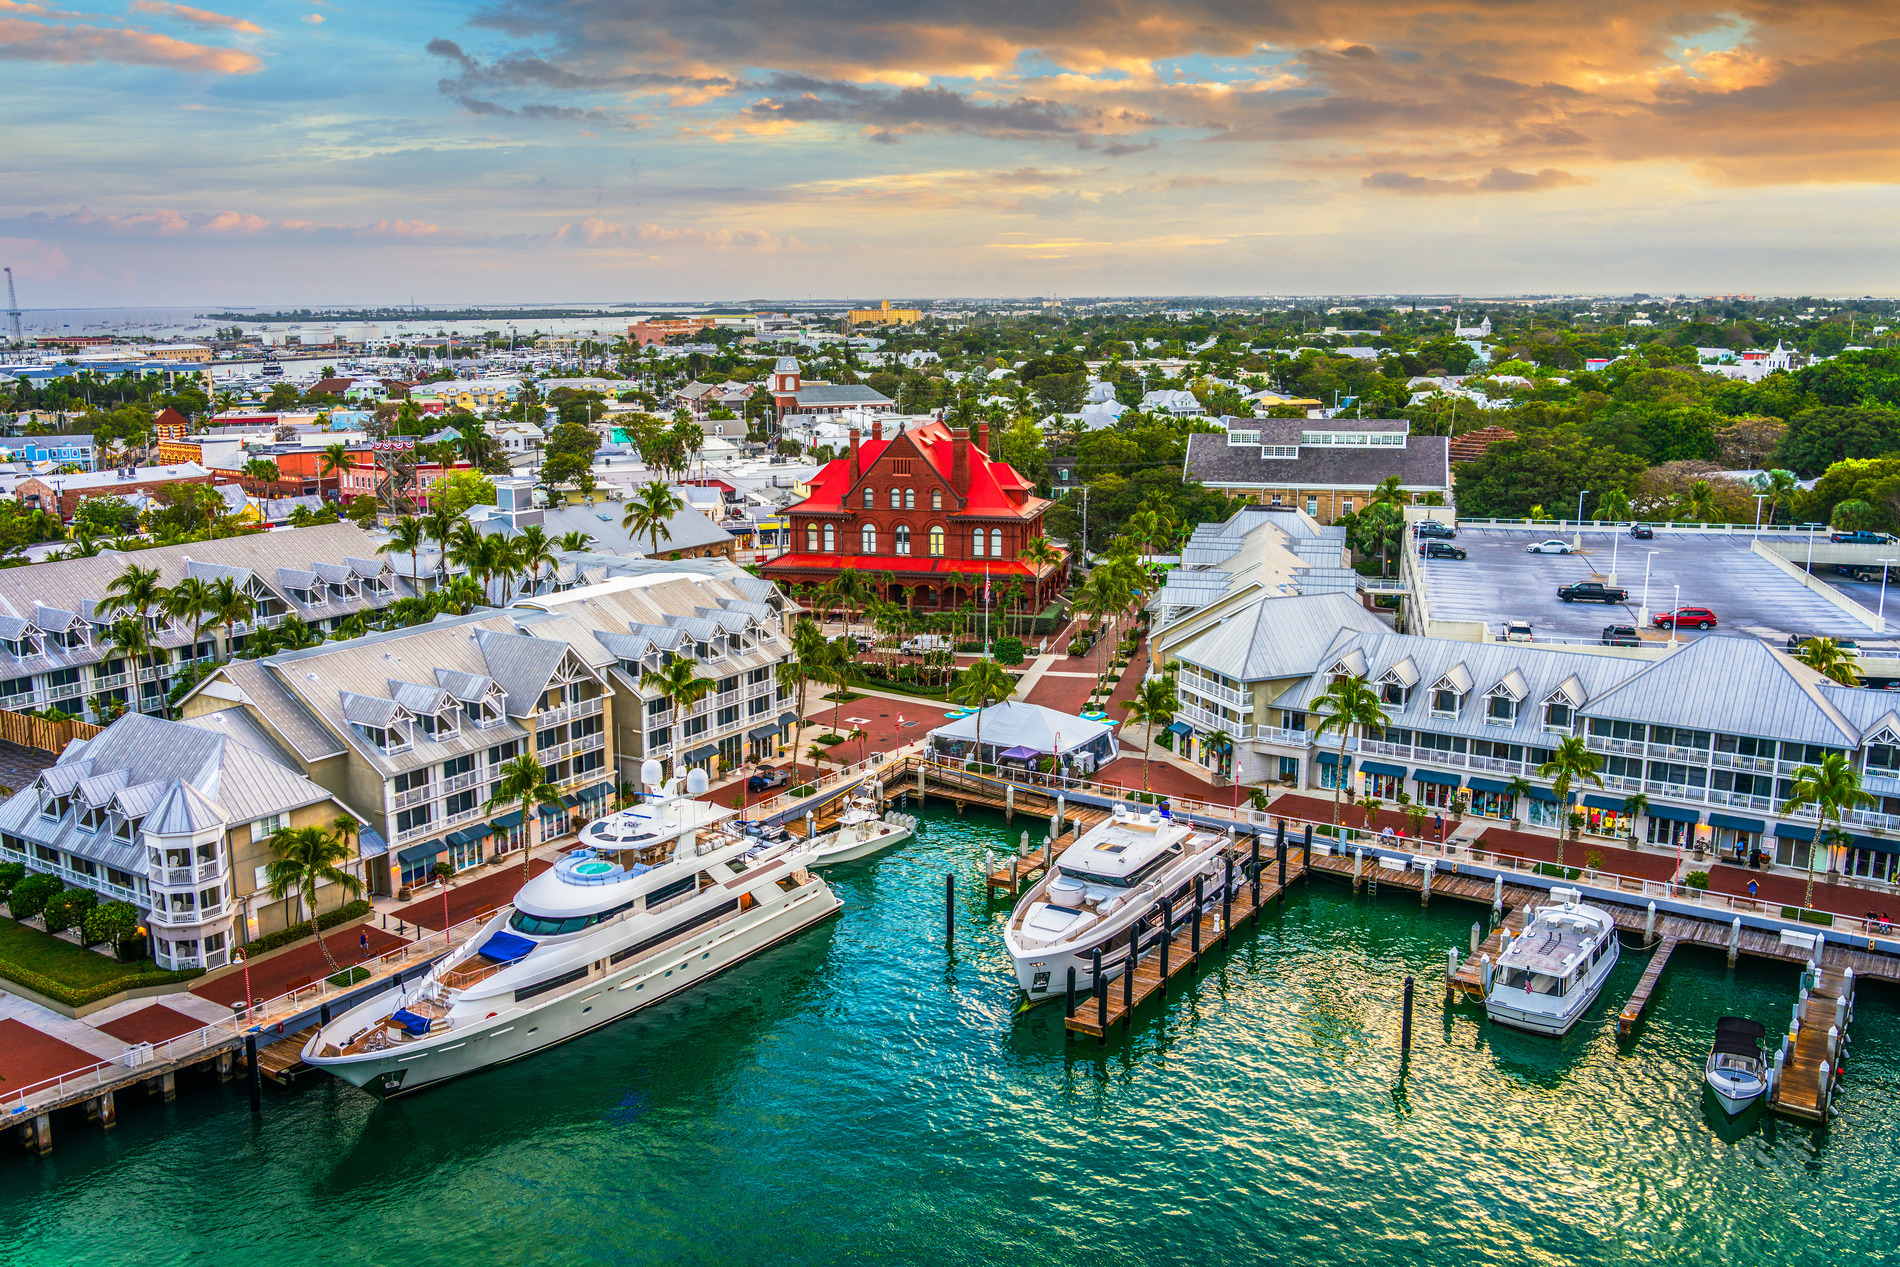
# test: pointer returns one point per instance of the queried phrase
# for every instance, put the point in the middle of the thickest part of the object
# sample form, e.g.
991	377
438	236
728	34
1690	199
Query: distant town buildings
885	315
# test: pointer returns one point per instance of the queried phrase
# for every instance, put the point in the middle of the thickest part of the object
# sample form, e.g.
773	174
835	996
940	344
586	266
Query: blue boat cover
505	947
410	1021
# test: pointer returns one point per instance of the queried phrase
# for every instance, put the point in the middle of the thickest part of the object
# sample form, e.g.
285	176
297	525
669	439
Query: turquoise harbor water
860	1096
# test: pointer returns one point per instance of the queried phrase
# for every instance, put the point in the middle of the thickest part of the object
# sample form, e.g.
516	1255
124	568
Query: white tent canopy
1012	725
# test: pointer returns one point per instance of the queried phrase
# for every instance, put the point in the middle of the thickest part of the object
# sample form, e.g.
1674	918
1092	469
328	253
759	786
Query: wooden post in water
1497	896
920	785
1649	923
1061	812
1009	802
1734	941
1279	856
1425	887
1101	1000
254	1075
1306	848
1167	940
1477	935
1405	1022
1068	1002
1358	869
1128	973
949	909
1255	864
1194	927
1227	902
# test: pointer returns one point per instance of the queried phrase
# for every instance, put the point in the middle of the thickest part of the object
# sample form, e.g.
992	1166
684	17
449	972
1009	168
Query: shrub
1556	872
114	922
1593	860
341	915
68	909
30	896
1697	879
1007	650
11	873
828	740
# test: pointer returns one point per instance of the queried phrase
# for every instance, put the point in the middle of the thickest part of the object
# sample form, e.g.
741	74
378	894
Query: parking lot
1750	596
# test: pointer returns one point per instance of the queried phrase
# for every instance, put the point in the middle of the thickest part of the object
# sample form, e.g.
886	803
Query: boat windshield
1129	881
549	926
1534	982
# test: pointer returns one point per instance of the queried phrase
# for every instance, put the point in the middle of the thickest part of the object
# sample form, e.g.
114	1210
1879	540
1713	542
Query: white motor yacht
862	831
1106	891
654	899
1549	974
1735	1070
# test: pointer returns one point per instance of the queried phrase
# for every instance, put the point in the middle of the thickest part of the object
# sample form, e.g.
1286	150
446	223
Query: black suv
1642	532
1621	636
1443	550
1432	528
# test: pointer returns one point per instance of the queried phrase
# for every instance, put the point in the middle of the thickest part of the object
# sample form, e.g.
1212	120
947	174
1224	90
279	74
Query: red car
1700	617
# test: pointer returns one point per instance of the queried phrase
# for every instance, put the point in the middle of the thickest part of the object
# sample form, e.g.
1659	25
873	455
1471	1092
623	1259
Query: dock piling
253	1074
1734	939
1484	975
1061	812
1227	901
1451	969
1306	848
1167	939
1477	935
1358	869
1255	865
38	1134
949	909
1279	857
1497	896
1649	922
1405	1022
1194	927
1101	999
1425	883
811	824
1068	1000
1009	803
1128	974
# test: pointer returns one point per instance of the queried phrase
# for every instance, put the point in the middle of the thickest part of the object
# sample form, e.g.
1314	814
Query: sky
520	151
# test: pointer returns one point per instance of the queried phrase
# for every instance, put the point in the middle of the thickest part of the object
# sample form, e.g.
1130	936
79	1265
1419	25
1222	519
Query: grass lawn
43	962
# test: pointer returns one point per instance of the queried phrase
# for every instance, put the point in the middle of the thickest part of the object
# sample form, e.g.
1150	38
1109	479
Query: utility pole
1085	523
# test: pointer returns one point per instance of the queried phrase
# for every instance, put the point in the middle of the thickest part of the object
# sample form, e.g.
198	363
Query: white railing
67	691
1497	765
1871	818
1620	783
1625	747
187	918
414	796
1672	752
1741	800
1210	721
1676	791
1281	734
566	712
1881	784
1214	690
106	682
1760	765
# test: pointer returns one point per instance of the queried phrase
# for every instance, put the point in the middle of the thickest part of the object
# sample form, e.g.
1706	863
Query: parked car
1845	644
1621	636
1440	550
1433	528
1552	546
1858	538
1699	617
1642	532
1592	592
1860	571
767	779
1517	631
925	642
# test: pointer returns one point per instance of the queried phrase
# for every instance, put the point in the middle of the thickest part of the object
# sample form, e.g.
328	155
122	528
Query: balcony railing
1742	800
196	915
1214	690
1627	747
1881	784
106	682
67	691
1281	734
566	712
1675	791
1621	783
1735	761
586	743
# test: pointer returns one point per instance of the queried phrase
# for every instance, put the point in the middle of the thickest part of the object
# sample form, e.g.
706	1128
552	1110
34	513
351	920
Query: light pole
1674	612
1880	617
1643	615
1580	496
1759	499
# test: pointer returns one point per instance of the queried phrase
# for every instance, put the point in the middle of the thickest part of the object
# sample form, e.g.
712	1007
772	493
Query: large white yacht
654	899
1549	974
1106	891
862	831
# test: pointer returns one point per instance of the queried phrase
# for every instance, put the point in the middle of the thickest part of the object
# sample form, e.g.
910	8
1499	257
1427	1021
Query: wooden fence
37	732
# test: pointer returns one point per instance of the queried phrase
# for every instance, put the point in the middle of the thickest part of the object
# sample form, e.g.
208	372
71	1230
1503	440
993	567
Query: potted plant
442	871
1520	790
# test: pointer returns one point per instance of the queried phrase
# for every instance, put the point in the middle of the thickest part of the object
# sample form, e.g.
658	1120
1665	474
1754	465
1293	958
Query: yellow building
885	315
192	353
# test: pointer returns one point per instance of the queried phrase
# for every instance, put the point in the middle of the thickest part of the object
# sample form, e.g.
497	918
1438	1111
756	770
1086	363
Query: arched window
976	544
996	543
811	538
903	538
936	499
868	503
910	499
897	499
867	539
831	539
936	541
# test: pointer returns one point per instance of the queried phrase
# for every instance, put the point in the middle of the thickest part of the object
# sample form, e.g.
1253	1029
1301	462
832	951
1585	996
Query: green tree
136	589
1830	659
979	686
1546	468
523	782
1347	705
1818	438
230	607
679	683
1153	705
406	536
334	460
649	512
1831	788
301	859
116	922
1570	761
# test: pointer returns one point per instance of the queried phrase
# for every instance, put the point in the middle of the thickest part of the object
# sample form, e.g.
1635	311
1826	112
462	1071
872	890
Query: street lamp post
1759	499
1880	617
1675	611
1643	614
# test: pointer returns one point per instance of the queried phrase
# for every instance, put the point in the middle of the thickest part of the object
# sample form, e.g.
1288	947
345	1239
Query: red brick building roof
1471	445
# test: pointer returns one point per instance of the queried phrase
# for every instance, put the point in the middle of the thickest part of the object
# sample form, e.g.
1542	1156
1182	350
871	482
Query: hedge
341	915
62	993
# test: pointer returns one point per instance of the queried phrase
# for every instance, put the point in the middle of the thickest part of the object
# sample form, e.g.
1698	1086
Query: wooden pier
1115	1001
1468	981
282	1061
1016	873
1801	1092
1639	1001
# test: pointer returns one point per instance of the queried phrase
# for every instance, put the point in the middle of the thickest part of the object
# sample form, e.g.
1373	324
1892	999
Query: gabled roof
416	697
183	810
1735	685
995	487
1511	684
1456	678
368	710
521	666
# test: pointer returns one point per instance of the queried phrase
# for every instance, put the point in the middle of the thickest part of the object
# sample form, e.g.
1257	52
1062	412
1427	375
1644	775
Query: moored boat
1735	1070
1549	974
862	830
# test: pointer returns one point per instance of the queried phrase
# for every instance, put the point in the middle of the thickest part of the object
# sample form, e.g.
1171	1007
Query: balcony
414	796
106	681
67	691
1879	783
161	917
1742	800
1679	755
1214	690
188	876
567	712
16	703
1280	734
1497	765
1620	783
1627	747
1735	761
1675	791
1201	719
586	743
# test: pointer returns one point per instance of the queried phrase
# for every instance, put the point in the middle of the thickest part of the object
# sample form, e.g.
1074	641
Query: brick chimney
877	428
856	470
983	437
960	460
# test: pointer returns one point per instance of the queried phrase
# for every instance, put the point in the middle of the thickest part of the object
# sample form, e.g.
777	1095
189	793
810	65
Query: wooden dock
1800	1092
1115	1001
1468	981
1014	874
282	1061
1639	1001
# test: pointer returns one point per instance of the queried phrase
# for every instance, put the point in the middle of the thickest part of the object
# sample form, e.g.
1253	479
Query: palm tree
1614	506
1039	553
1832	788
1830	659
262	471
190	600
534	551
1780	486
334	460
679	683
1347	705
977	687
1221	744
440	522
577	541
135	589
850	593
650	510
305	857
1153	705
1635	805
406	536
523	782
230	607
295	634
1520	789
463	594
1569	761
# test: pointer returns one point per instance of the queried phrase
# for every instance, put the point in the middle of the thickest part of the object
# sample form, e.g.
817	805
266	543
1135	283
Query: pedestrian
1751	888
362	941
1438	821
1385	836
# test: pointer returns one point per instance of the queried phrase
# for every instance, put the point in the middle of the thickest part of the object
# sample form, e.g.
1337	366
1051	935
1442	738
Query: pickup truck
1592	592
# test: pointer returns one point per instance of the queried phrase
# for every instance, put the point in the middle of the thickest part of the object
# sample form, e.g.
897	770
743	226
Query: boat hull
1043	973
825	854
1734	1091
1514	1008
522	1031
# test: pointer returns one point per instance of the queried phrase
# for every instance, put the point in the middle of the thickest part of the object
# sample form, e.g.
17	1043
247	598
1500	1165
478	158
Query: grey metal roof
100	788
183	811
368	710
296	577
1739	686
471	687
1422	464
289	717
334	572
521	666
1277	637
416	697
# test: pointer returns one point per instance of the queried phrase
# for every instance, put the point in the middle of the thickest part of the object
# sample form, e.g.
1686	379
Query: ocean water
861	1095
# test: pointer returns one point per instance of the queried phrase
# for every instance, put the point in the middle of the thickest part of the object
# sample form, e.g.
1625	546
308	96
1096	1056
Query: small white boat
861	832
1735	1070
1549	974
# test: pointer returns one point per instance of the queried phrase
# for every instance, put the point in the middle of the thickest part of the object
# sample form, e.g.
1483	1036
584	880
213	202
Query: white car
1517	631
1552	546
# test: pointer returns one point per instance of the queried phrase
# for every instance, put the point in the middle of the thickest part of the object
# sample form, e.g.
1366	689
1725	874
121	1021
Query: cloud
934	109
76	43
314	19
31	260
595	232
1499	180
196	17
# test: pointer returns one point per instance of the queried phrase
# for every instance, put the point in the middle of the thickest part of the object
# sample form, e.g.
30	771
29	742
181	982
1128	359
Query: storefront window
1384	787
1492	804
1438	795
1670	834
1539	813
1329	775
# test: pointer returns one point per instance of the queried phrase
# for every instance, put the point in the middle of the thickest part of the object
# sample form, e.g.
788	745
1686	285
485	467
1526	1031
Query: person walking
362	941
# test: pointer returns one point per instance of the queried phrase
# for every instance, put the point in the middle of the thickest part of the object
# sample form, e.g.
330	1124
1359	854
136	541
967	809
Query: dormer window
1393	693
1500	709
93	818
1444	702
126	828
1559	715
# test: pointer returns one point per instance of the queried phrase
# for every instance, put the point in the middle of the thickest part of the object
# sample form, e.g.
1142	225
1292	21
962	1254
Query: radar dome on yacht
697	782
651	774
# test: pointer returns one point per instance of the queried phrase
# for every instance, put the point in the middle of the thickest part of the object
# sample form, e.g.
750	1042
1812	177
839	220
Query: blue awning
701	753
457	838
1596	800
597	792
1546	794
786	719
1180	728
1477	784
1673	814
549	811
508	821
1789	831
416	853
1331	758
1877	844
505	947
370	842
1381	767
1433	776
1738	824
763	732
477	831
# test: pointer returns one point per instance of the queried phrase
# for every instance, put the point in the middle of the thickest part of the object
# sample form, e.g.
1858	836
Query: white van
923	643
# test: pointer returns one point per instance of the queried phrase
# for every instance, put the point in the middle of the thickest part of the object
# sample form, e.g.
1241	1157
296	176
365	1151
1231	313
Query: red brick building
647	333
929	506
